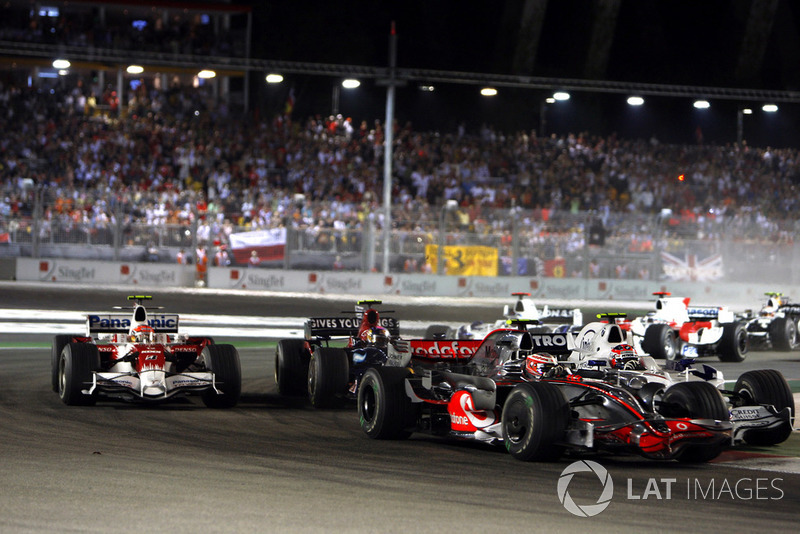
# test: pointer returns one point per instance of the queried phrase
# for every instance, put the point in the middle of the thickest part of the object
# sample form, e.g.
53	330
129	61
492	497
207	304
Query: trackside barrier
374	284
98	272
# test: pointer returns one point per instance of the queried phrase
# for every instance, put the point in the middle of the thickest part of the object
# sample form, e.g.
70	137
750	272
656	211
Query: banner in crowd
464	260
690	269
268	244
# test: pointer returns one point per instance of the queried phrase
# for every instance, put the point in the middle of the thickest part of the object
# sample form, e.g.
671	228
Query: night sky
675	42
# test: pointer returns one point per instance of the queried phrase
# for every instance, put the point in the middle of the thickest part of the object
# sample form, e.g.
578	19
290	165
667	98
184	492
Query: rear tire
59	342
223	361
384	409
695	400
328	374
77	363
733	345
783	333
291	367
660	342
766	386
535	416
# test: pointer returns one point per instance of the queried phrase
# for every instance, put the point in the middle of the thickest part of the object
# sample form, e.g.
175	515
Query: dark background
681	42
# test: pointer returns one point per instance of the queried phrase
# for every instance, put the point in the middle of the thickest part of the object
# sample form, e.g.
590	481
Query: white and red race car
546	319
674	330
141	356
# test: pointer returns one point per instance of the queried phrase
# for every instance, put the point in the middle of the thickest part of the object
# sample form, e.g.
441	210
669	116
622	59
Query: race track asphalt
276	465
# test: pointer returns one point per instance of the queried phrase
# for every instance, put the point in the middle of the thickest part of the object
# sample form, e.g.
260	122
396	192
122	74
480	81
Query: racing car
533	394
141	356
328	374
523	309
775	327
675	331
761	403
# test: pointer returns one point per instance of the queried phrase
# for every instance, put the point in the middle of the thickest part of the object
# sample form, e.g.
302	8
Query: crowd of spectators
161	162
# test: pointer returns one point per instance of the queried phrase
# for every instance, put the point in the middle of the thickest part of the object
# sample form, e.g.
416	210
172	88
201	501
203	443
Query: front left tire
77	363
223	361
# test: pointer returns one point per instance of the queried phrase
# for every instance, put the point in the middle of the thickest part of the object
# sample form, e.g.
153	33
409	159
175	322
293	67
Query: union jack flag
691	269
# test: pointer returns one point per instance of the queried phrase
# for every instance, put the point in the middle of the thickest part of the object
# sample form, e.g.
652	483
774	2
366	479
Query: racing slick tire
760	387
328	374
783	333
223	361
660	342
733	345
534	419
384	409
695	400
75	367
437	331
291	367
59	342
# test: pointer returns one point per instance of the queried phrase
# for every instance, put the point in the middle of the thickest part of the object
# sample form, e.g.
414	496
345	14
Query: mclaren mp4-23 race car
141	356
521	390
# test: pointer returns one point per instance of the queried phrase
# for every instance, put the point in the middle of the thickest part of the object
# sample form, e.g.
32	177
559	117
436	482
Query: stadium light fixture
489	91
135	69
61	64
747	111
635	100
350	83
701	104
561	96
769	108
274	78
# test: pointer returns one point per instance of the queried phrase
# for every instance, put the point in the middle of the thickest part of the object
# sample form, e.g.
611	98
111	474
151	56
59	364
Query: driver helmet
622	354
536	365
143	333
376	336
772	305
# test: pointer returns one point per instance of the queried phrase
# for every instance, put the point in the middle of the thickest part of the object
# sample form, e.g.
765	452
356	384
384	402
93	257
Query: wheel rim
312	376
62	375
791	334
278	356
369	402
669	346
516	423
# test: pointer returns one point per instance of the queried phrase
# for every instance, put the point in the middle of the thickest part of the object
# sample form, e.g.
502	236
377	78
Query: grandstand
97	167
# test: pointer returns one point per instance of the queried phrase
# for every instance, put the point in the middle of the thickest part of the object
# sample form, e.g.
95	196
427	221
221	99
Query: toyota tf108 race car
775	327
675	331
521	389
329	374
141	356
523	309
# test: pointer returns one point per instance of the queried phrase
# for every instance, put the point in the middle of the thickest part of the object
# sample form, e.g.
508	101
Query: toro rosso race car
329	374
775	327
141	356
675	331
523	309
521	389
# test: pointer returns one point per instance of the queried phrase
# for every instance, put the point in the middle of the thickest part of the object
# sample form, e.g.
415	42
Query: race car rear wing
120	323
558	315
706	313
327	327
